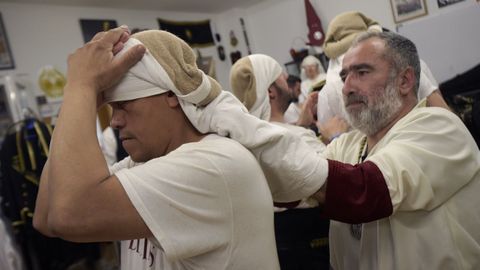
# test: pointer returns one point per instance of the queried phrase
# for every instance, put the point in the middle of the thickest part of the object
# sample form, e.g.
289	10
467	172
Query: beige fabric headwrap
343	29
250	78
168	65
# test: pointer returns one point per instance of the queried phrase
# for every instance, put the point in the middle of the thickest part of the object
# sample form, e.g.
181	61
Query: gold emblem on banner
51	82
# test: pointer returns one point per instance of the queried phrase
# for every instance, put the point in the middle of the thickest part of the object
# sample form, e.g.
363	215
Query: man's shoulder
210	156
214	142
212	147
432	115
431	126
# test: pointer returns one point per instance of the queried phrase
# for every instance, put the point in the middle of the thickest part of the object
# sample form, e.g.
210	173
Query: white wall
275	25
452	44
224	23
42	35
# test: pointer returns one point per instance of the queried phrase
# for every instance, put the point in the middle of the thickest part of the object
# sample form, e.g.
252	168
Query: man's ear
172	100
271	93
406	81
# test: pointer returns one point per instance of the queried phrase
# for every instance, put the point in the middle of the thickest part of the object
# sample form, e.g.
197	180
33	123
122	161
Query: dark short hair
292	79
401	52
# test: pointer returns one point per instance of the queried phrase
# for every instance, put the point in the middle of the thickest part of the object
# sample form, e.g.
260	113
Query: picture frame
6	57
404	10
444	3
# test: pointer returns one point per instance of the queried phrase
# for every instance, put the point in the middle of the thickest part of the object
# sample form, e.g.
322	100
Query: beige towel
343	29
250	78
168	65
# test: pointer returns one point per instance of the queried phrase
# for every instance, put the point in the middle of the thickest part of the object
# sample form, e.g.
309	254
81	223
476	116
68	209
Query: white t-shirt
330	99
431	166
208	206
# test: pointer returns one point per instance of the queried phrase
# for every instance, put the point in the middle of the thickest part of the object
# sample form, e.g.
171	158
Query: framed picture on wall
444	3
404	10
6	57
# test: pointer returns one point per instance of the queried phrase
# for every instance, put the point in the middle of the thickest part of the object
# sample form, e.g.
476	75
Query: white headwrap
148	78
168	65
264	71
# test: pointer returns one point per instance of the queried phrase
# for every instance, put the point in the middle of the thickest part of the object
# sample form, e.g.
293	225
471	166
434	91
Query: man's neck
277	117
277	112
185	134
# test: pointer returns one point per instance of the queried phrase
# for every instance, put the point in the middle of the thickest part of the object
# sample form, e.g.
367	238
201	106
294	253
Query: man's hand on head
94	67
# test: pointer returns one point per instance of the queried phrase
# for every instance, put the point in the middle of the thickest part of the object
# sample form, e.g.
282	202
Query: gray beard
377	115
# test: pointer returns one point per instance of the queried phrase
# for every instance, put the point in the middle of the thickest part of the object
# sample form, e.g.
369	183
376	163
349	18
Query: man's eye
343	77
362	72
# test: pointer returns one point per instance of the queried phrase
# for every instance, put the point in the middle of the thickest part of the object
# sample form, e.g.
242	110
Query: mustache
354	98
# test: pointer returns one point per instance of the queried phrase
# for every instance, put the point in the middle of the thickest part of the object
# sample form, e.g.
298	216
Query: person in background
293	111
182	199
258	82
305	114
301	234
311	74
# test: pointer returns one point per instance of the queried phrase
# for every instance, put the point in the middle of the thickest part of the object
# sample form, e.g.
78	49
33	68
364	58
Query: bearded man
407	203
401	189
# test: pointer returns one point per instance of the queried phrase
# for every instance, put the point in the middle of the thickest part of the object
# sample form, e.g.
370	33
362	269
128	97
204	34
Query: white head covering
312	60
141	80
177	73
250	78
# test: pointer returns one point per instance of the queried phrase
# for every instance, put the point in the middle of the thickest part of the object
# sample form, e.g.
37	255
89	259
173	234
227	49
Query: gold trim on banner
43	142
21	161
31	154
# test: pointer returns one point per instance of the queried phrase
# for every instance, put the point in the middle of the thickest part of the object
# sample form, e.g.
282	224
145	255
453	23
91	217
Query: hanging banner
195	33
315	31
92	27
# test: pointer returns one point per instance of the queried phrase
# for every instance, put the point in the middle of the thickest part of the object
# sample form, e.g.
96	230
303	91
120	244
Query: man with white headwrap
182	199
258	82
341	32
311	74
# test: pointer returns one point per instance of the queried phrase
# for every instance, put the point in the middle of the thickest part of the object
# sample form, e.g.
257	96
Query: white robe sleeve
299	171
